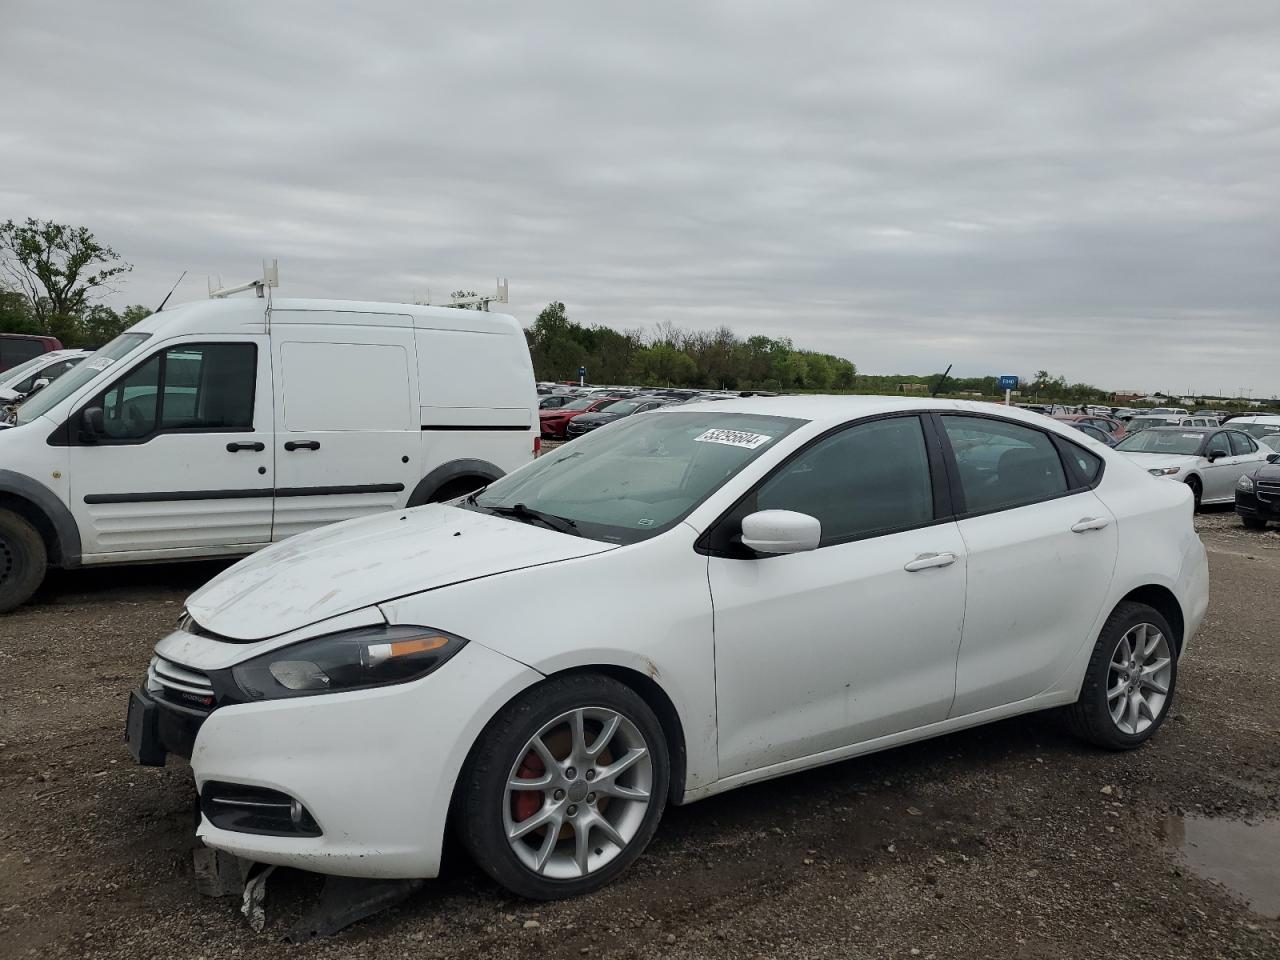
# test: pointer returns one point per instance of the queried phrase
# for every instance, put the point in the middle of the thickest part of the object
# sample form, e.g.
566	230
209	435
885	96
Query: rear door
183	462
1041	550
348	440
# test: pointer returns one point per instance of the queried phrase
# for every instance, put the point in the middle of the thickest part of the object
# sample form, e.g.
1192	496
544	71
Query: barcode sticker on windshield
734	438
100	364
1191	436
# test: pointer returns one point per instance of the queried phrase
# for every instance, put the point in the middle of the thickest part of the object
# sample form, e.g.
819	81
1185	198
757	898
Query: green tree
16	315
60	269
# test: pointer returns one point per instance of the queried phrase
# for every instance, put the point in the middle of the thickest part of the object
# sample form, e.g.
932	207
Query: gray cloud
1084	186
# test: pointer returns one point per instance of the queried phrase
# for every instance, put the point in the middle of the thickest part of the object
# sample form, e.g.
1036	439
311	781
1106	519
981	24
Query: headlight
1245	483
1163	471
351	660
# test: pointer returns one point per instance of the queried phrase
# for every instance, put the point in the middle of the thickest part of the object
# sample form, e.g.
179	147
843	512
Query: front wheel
565	787
1253	523
23	560
1128	685
1197	490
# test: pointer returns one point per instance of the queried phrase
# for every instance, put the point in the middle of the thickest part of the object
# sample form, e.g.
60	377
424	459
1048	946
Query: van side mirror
781	531
92	424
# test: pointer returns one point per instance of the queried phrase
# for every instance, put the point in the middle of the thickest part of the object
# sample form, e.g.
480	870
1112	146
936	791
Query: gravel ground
1008	841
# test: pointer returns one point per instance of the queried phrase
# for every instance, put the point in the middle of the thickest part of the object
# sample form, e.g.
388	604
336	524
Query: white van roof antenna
270	278
480	302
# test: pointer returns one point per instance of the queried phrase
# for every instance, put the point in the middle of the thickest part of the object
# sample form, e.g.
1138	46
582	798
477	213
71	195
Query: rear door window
1241	445
1003	464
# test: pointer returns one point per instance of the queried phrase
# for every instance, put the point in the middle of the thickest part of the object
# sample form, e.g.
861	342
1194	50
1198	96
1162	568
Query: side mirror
781	531
1217	455
1273	458
92	423
38	385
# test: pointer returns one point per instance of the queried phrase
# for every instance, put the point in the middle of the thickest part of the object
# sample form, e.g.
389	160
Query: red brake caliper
527	802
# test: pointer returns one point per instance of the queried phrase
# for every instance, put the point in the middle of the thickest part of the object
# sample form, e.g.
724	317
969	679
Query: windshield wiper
525	514
471	498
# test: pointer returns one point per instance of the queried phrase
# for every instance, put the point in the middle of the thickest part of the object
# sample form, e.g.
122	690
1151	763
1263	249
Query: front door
182	463
348	433
858	638
1042	551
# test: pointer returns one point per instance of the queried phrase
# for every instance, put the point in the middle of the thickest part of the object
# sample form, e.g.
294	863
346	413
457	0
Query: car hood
602	417
358	563
1150	461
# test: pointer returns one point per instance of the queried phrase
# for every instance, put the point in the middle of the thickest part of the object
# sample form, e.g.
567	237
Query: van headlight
1245	483
351	660
1163	471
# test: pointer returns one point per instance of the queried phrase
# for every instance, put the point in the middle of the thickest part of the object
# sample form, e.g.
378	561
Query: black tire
481	792
1253	523
1089	718
456	488
1197	490
23	560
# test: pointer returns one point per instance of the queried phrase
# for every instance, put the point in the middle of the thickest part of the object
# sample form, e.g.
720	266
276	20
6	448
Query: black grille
245	809
1266	489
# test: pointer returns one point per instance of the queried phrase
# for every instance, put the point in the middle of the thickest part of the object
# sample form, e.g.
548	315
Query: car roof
1176	429
825	409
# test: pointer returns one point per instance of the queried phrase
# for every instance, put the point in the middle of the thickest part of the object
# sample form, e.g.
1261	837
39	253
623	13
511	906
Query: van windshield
68	384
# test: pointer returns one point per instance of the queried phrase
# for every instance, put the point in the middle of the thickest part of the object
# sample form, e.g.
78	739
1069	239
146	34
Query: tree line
670	356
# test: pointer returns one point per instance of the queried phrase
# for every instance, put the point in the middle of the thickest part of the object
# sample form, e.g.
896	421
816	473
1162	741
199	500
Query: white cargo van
217	427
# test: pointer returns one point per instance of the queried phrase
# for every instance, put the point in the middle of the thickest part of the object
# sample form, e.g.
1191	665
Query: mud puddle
1242	856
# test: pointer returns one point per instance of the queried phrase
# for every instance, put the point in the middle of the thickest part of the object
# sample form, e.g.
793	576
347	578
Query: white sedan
1209	460
693	600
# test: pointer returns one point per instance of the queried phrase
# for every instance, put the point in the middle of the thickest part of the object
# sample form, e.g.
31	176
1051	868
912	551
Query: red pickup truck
16	348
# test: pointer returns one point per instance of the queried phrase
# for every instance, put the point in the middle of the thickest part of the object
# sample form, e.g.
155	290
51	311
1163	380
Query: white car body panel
770	665
362	562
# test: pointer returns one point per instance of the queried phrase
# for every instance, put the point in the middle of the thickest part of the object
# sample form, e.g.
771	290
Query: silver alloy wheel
1138	680
591	801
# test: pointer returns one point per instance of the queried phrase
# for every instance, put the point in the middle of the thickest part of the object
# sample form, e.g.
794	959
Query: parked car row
1209	460
19	382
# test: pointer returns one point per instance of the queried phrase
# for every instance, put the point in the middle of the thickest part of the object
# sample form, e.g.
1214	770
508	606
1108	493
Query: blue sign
1008	383
582	372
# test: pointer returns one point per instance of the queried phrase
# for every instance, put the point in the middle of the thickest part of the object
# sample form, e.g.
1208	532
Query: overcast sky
1092	188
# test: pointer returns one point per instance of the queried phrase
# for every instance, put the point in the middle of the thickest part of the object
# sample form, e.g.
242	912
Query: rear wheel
564	788
1197	490
1253	523
23	560
1129	683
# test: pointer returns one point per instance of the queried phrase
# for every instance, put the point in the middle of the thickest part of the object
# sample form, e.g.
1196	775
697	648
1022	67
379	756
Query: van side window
196	386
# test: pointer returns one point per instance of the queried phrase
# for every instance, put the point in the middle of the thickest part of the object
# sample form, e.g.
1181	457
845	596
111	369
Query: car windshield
581	404
1176	442
623	406
14	374
1143	423
638	478
72	381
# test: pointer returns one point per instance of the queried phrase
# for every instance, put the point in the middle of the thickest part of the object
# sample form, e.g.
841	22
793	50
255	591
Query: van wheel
23	560
564	788
456	488
1128	685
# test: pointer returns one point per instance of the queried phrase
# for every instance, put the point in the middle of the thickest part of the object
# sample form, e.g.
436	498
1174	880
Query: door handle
255	446
1089	523
292	445
926	561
